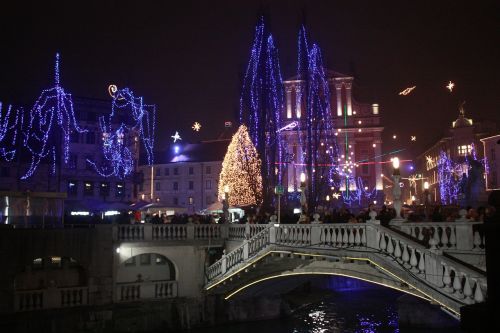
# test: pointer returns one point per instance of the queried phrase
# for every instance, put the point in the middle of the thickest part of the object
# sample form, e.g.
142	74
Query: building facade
358	123
185	177
463	142
491	151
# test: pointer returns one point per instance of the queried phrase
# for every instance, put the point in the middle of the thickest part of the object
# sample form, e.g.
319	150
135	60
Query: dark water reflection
359	311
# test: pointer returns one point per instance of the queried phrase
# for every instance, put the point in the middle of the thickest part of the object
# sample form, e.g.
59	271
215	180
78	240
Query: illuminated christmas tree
240	175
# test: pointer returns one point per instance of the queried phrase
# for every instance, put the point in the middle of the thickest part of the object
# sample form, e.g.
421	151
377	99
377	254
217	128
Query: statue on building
475	189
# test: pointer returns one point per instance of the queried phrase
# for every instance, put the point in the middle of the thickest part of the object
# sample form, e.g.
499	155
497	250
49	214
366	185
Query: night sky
187	57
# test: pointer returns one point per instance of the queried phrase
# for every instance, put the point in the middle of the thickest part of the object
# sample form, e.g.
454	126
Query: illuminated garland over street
10	132
138	123
240	173
52	121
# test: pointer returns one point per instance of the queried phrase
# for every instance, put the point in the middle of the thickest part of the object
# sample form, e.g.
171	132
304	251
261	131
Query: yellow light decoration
407	91
413	138
196	126
241	171
450	86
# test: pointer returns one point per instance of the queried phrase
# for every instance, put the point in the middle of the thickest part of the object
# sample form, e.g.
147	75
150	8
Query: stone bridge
443	263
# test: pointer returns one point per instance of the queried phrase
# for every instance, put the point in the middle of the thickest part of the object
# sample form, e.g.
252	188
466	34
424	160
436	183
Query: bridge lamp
302	179
395	164
327	198
118	250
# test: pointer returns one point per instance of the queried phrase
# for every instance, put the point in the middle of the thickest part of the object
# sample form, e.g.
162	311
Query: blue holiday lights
11	123
131	119
51	122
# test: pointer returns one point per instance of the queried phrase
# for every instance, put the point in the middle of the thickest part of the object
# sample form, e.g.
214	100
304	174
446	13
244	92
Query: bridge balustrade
134	291
148	232
463	236
51	298
244	231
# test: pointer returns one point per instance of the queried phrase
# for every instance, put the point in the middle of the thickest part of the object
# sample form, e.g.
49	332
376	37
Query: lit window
104	189
72	188
119	190
464	150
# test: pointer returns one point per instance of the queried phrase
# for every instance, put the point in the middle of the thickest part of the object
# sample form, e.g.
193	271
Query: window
208	184
208	170
73	161
176	171
167	172
191	170
191	185
90	138
190	200
104	189
88	188
72	188
176	186
158	186
158	172
464	150
175	201
208	199
120	190
145	259
493	155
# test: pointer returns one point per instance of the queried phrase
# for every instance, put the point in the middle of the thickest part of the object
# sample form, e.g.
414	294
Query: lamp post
225	204
303	202
426	200
396	190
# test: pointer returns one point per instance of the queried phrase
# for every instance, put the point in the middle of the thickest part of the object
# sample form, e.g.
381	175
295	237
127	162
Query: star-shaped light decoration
336	195
407	91
176	137
196	126
413	138
450	86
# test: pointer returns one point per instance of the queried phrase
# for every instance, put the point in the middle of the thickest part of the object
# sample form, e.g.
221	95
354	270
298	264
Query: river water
350	311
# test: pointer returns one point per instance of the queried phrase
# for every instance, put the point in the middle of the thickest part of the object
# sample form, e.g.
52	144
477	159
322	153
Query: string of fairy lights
52	121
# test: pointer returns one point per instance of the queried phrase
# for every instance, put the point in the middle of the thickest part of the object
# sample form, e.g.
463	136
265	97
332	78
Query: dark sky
187	56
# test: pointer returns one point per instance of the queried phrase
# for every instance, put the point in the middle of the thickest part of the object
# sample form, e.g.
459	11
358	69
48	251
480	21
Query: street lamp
225	204
396	190
426	200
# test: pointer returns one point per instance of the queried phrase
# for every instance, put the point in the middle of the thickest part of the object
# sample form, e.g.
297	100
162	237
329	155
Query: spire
56	70
461	109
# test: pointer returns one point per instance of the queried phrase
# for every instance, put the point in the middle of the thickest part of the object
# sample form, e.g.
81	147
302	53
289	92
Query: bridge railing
152	232
244	231
249	248
50	298
460	235
457	281
135	291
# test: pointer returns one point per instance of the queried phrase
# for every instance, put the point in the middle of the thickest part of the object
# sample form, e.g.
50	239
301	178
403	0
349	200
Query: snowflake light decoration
196	126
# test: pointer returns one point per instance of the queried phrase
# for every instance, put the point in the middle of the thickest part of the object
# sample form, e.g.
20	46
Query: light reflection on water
352	311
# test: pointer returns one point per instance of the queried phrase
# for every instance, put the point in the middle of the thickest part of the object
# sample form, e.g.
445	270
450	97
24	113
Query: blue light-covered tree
11	123
261	104
51	122
129	122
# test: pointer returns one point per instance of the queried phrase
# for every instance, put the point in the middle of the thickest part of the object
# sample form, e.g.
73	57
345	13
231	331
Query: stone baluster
357	238
444	237
383	244
339	237
453	238
351	236
478	293
421	264
390	245
477	241
447	279
413	261
467	290
457	285
420	234
406	256
345	238
412	232
363	236
397	251
433	242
